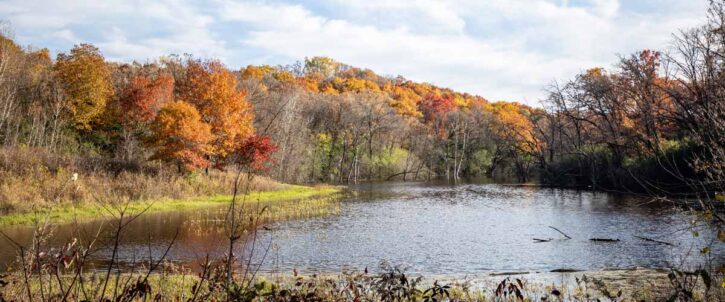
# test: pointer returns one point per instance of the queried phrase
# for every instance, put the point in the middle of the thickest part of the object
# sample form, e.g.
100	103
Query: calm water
433	229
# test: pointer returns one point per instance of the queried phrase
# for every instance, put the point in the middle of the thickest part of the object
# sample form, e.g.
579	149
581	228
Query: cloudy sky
499	49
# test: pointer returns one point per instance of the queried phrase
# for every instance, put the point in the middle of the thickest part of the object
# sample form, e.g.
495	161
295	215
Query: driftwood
604	240
655	241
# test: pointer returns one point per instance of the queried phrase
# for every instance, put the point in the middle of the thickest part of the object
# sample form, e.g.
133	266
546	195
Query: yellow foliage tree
256	72
86	80
405	101
322	66
283	76
513	126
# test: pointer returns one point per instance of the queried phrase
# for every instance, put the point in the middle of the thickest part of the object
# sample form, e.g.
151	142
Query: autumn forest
82	136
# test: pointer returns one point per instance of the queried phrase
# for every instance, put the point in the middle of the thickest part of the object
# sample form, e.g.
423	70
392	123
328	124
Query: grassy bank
280	203
36	184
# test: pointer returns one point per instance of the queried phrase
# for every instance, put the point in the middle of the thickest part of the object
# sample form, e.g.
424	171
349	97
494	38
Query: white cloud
194	37
545	41
439	16
268	16
500	49
67	35
123	30
605	8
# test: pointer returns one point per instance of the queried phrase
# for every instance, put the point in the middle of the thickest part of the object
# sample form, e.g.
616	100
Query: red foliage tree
143	97
256	153
436	107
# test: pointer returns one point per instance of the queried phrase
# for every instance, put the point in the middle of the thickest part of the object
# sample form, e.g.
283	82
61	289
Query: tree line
328	121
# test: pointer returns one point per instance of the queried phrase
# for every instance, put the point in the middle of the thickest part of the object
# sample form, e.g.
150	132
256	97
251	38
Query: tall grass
34	178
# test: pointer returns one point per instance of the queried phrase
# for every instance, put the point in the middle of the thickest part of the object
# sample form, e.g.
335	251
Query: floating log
565	270
604	239
508	273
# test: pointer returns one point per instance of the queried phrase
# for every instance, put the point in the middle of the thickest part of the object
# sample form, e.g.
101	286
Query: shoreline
92	211
492	275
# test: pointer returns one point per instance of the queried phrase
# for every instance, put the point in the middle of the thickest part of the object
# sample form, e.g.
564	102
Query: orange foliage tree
309	84
180	136
212	89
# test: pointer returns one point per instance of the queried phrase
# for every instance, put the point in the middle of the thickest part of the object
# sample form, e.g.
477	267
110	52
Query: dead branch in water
653	240
543	240
565	235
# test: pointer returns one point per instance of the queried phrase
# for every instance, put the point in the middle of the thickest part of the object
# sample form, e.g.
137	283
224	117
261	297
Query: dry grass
35	178
173	283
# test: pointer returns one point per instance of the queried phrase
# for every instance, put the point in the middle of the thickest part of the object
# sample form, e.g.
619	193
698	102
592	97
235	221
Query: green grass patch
310	199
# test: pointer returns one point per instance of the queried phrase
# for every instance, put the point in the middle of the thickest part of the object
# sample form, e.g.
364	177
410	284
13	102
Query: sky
499	49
